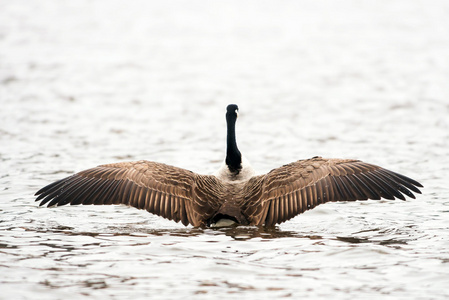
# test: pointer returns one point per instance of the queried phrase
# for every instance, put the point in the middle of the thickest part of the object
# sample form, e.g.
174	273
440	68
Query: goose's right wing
173	193
294	188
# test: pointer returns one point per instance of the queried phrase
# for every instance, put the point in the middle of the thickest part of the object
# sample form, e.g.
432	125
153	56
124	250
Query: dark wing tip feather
412	181
380	182
47	187
402	181
50	188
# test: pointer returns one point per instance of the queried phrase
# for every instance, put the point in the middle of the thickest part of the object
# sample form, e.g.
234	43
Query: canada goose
232	195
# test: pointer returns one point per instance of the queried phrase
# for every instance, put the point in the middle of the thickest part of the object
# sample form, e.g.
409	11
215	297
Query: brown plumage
201	200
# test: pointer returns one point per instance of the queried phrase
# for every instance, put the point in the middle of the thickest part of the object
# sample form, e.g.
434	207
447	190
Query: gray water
84	83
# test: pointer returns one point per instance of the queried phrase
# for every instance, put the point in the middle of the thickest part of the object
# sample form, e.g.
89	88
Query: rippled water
90	82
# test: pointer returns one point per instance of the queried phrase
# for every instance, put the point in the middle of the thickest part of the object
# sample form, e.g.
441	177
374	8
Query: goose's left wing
170	192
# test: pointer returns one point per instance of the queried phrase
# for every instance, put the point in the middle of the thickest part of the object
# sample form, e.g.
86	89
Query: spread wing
173	193
294	188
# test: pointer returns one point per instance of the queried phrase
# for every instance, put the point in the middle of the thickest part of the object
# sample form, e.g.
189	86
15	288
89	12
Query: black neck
233	155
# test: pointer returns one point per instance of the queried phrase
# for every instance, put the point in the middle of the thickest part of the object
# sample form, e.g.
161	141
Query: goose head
235	167
233	156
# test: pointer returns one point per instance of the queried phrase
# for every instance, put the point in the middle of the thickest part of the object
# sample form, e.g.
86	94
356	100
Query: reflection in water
250	232
358	240
236	232
378	235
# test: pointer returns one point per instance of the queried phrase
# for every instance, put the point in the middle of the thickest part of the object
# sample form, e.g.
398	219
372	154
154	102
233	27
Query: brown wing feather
291	189
167	191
